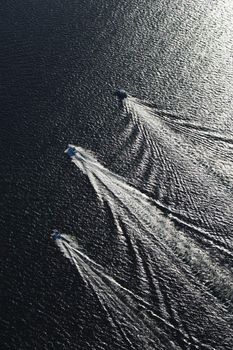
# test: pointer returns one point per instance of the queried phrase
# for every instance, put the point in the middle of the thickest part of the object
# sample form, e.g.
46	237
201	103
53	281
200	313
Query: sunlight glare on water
150	206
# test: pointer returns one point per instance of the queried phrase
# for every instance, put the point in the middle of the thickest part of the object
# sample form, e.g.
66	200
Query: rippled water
147	215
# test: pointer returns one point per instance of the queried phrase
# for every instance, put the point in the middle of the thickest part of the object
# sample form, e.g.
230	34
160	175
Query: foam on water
133	319
146	220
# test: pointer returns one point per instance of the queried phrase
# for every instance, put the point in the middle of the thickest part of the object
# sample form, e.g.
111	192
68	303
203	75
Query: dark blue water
151	266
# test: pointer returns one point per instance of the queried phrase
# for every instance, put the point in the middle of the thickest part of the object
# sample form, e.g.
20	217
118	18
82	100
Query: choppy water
146	213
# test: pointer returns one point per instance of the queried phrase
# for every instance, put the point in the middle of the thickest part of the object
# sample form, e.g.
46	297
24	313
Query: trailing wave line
172	118
131	316
192	175
197	141
144	216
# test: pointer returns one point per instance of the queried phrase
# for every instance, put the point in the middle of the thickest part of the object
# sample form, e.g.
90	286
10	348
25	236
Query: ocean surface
145	205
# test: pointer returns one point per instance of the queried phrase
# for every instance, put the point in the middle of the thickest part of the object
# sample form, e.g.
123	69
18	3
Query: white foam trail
212	150
133	104
195	171
152	227
134	318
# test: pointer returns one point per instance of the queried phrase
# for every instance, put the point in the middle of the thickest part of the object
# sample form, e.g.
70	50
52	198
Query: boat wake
132	318
177	237
147	223
192	165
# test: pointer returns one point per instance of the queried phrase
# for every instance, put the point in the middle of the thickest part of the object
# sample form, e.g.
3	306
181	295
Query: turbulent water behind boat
160	237
146	211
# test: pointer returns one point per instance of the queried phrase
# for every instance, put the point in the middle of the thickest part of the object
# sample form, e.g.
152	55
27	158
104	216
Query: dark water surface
151	212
